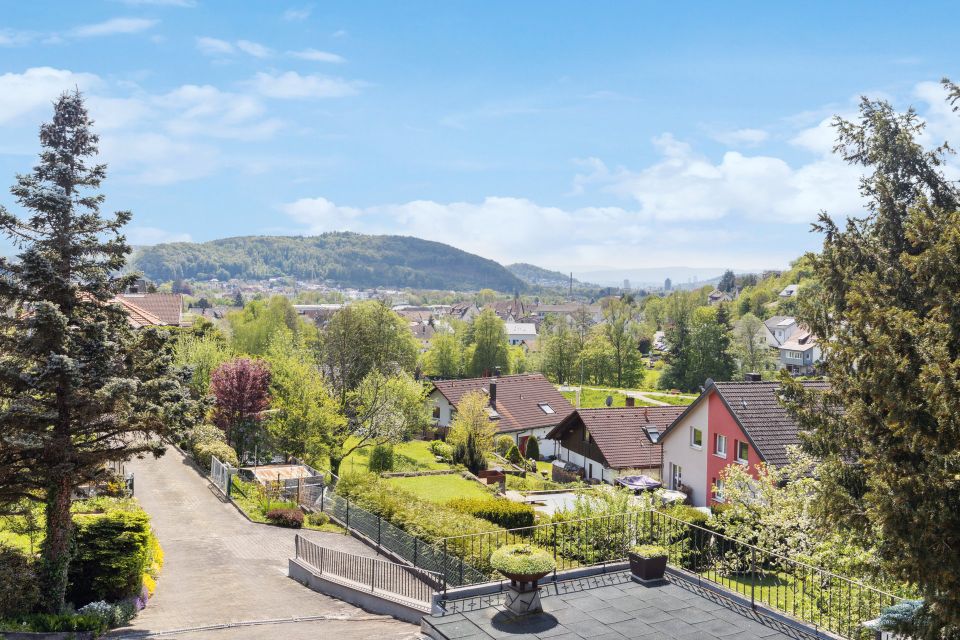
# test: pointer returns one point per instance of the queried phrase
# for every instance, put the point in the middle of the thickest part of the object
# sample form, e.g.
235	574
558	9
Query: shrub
469	454
292	518
513	455
149	584
441	450
19	585
687	537
109	613
203	451
649	551
381	458
503	444
521	559
55	623
533	448
204	433
318	519
505	513
112	554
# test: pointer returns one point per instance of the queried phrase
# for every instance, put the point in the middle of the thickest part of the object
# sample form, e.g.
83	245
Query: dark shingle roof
620	434
518	399
757	407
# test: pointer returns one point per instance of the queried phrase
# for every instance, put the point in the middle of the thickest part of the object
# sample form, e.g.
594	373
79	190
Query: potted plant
522	563
648	561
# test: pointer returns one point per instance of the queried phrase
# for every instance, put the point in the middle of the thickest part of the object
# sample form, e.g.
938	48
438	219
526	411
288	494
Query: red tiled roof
167	307
138	317
620	433
518	399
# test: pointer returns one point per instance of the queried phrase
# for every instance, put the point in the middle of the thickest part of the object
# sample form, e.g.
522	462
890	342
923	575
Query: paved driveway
221	569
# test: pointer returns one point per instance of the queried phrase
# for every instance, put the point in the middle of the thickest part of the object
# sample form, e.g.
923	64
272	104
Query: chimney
631	401
751	377
496	372
493	393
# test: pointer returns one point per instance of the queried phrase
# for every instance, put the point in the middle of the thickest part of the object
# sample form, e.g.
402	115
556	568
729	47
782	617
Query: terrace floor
609	607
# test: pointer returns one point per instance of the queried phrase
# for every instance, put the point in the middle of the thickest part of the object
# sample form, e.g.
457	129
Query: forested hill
349	259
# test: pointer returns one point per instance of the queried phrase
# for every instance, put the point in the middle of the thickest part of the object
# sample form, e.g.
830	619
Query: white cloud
317	56
295	14
114	26
254	49
207	111
340	33
214	46
742	137
140	236
23	93
11	38
291	85
157	159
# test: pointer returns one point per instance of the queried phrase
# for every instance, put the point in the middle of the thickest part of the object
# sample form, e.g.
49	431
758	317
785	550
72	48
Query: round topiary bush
522	561
513	455
503	444
533	448
318	519
203	451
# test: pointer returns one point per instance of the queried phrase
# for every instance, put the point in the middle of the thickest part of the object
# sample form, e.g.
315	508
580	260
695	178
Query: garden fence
220	474
810	594
385	579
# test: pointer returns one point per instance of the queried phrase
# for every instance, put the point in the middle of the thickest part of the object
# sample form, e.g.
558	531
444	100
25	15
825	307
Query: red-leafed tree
241	389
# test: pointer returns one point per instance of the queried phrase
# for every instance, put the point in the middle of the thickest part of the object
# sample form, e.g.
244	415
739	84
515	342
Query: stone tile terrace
612	607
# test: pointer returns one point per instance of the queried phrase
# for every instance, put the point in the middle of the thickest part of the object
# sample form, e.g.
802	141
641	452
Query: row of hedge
500	511
206	441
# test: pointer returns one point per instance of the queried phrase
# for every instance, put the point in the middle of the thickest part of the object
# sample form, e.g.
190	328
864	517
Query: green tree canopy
487	335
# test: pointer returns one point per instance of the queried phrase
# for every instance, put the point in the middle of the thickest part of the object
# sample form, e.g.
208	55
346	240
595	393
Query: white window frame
739	444
717	439
693	432
718	488
676	476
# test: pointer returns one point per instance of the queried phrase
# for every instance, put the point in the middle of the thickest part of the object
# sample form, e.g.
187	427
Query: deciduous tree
487	334
241	391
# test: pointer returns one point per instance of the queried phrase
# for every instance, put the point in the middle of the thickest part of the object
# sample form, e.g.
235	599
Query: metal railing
220	474
379	577
809	594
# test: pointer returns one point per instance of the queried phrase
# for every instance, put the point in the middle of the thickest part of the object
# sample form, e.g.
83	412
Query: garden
116	563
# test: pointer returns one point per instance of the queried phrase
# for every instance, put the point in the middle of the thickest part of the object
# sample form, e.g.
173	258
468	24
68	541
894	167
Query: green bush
505	513
522	559
686	535
54	623
381	458
291	518
503	444
533	449
318	519
441	449
513	455
649	551
203	451
19	584
111	555
204	433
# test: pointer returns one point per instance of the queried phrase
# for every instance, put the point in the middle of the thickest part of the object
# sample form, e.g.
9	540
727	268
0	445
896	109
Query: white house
521	333
779	330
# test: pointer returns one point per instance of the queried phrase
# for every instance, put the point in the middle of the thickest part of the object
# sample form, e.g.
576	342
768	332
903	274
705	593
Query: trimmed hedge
292	518
505	513
55	623
532	449
203	451
113	552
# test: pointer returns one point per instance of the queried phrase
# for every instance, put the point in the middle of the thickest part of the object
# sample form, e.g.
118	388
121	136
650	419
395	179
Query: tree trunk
335	462
57	545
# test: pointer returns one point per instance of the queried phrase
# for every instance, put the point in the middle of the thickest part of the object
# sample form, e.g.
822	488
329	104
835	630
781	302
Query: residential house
508	310
790	290
152	309
319	313
521	333
779	329
800	354
610	442
729	423
716	297
523	406
464	311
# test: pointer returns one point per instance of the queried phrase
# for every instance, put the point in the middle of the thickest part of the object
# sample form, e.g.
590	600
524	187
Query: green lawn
592	398
441	488
408	456
11	539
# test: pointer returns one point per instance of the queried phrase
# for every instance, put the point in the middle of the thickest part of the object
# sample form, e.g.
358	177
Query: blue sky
578	136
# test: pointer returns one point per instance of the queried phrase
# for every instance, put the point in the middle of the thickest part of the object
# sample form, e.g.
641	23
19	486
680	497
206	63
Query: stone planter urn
523	565
648	563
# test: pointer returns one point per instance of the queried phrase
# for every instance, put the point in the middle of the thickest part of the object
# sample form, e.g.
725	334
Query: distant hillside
540	277
349	259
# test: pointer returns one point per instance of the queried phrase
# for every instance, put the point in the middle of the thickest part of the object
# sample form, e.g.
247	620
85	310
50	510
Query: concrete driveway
227	577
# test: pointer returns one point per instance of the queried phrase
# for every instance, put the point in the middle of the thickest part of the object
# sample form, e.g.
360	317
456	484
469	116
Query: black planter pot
648	568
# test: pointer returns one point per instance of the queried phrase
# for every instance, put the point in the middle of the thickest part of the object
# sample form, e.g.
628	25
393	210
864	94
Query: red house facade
741	423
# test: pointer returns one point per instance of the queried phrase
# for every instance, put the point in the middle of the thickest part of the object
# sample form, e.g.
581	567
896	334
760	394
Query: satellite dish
609	401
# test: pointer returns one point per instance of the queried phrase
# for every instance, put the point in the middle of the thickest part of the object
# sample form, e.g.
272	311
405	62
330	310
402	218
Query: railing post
753	577
296	546
415	549
555	536
445	567
323	489
348	514
323	554
379	520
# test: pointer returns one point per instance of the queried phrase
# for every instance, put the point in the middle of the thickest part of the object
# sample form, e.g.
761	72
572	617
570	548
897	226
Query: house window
546	408
718	487
676	476
720	445
586	435
436	411
696	438
743	449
